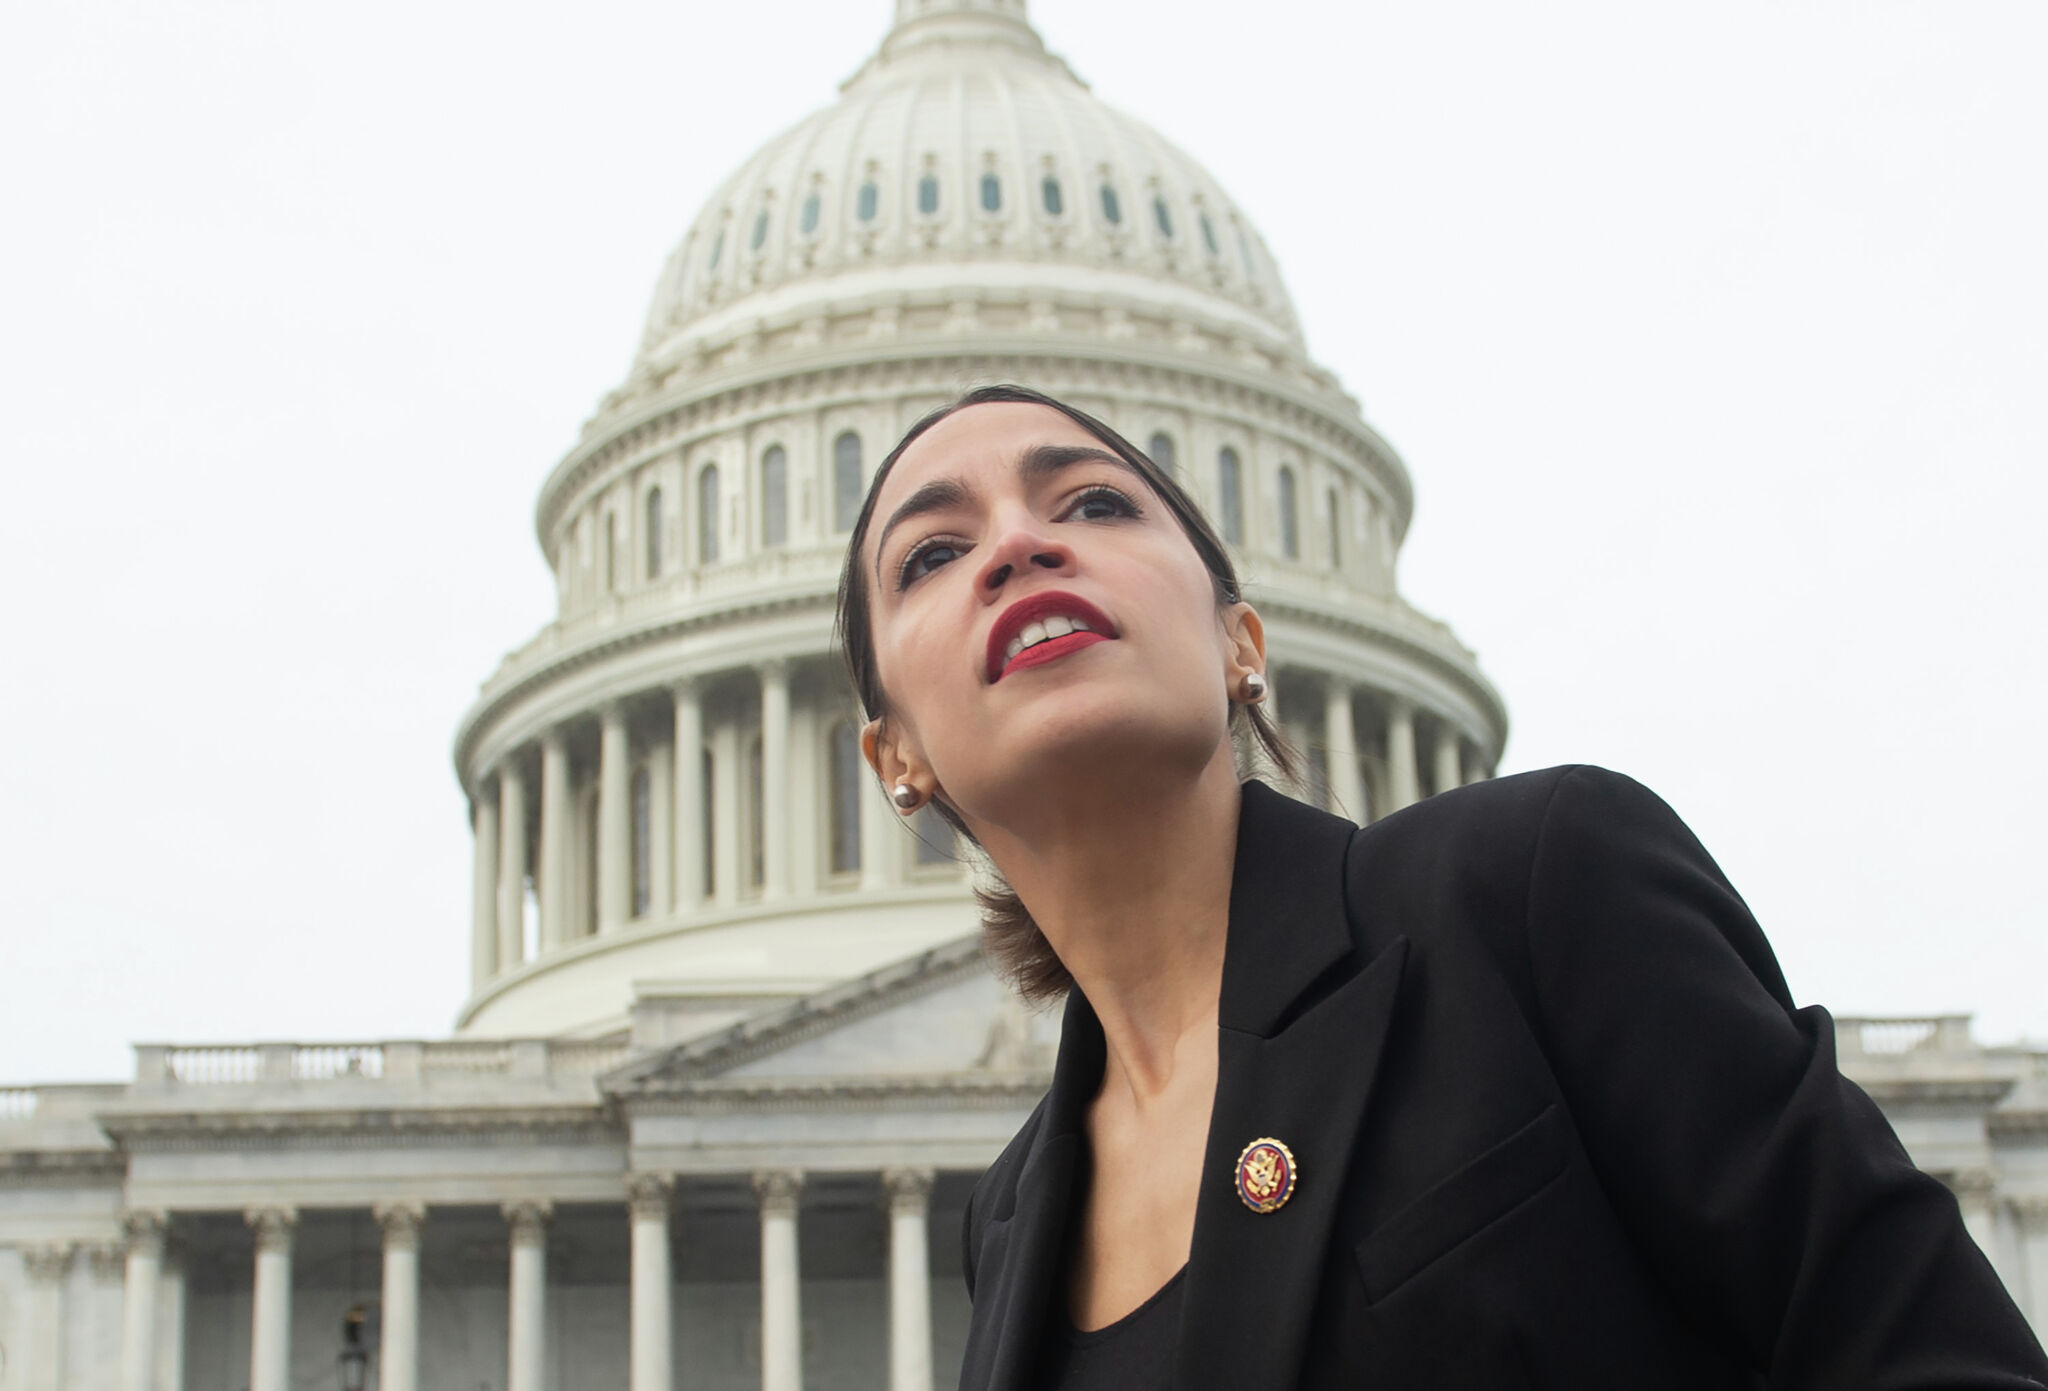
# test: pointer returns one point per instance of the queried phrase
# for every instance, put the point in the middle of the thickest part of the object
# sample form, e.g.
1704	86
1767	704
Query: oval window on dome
760	231
991	193
928	194
1208	234
1162	216
810	214
864	205
1050	192
1112	210
717	250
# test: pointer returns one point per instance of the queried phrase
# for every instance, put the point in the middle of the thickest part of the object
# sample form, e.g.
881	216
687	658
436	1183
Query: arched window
717	250
991	194
809	221
865	204
1163	217
1112	210
774	497
1290	531
1161	450
611	552
846	481
928	194
707	817
757	840
1336	521
1230	495
934	837
1049	191
707	515
643	844
654	533
760	230
1208	233
845	789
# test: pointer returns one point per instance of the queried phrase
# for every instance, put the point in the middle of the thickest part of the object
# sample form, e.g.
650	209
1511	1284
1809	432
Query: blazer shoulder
995	1193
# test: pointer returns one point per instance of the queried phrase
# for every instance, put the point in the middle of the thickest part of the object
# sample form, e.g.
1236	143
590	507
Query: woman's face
1040	620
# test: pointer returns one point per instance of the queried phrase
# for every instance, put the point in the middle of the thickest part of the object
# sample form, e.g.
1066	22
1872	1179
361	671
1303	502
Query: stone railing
1893	1038
245	1064
18	1103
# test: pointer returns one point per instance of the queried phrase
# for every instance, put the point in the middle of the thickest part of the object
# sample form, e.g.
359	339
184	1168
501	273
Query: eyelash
1127	505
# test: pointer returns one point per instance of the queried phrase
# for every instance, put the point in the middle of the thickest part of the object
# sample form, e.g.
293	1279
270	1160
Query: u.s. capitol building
729	1061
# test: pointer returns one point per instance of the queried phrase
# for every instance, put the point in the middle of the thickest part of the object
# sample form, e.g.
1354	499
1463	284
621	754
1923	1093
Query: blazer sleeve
1767	1190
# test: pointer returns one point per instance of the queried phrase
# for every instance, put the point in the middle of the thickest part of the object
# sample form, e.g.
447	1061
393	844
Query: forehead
990	437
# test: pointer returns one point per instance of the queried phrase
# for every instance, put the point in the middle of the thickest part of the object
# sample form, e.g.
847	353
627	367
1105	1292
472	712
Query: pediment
940	1015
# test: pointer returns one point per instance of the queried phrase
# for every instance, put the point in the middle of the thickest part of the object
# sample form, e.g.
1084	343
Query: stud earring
905	797
1253	688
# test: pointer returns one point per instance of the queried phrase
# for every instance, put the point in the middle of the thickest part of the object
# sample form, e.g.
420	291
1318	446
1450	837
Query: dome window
810	215
775	497
1208	234
1230	495
1112	210
654	521
1161	449
991	193
1163	217
1050	192
1290	530
928	194
717	250
865	204
707	515
760	231
846	794
847	478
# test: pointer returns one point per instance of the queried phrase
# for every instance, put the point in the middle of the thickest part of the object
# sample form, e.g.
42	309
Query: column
782	1329
648	1199
527	1349
689	797
1449	770
483	950
881	841
910	1279
1475	768
511	865
1975	1189
2031	1216
170	1330
48	1267
661	831
1402	776
725	813
143	1232
557	830
270	1352
614	821
775	779
1340	743
398	1351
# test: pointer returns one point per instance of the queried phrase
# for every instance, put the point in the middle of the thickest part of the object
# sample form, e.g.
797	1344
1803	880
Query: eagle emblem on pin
1266	1175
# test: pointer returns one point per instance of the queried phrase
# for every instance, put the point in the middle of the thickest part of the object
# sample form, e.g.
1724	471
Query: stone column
1449	771
143	1232
775	779
661	831
910	1279
881	841
398	1352
614	821
170	1332
726	773
2031	1215
526	1357
1402	774
782	1327
47	1268
511	865
270	1351
557	835
689	797
483	947
648	1199
1340	741
1975	1190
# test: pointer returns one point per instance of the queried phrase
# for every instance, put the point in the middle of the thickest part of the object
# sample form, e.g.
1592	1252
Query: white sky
1713	336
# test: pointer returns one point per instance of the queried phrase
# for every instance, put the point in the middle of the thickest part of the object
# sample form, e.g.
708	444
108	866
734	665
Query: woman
1503	1090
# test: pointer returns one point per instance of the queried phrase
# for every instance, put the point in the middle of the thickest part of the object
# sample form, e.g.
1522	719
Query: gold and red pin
1266	1175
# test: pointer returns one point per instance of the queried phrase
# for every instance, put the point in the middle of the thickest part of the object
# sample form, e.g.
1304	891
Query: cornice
1972	1090
52	1168
361	1128
992	1091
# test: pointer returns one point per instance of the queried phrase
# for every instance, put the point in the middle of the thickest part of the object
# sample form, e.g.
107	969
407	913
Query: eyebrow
1038	463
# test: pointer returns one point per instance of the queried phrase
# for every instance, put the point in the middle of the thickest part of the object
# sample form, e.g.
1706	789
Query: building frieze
976	1091
60	1168
362	1128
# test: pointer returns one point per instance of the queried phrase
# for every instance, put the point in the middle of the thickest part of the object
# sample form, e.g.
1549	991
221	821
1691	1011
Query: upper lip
1034	607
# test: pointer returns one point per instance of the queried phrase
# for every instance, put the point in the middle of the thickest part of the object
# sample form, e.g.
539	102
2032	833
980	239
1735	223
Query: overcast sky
1713	337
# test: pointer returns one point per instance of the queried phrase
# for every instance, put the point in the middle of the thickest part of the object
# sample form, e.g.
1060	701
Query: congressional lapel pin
1266	1175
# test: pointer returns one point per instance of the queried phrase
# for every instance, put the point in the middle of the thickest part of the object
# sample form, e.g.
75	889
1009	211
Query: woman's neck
1132	890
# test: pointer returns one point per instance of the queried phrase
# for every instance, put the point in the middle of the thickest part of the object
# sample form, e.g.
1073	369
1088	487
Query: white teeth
1016	646
1057	627
1080	626
1033	634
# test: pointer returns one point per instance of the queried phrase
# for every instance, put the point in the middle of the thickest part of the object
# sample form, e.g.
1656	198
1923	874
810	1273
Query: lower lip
1051	650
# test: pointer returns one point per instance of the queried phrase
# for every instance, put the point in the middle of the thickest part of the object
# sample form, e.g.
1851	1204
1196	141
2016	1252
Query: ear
1244	637
896	761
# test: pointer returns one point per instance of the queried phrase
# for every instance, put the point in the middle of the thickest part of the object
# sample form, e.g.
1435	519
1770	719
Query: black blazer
1557	1124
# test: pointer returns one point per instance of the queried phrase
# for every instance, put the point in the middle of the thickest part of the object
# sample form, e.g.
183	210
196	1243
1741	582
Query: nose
1022	546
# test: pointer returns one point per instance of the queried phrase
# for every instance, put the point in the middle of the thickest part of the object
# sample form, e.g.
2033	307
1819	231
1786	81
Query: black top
1133	1354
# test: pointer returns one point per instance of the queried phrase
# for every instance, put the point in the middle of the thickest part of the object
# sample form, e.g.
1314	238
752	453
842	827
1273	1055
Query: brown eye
924	558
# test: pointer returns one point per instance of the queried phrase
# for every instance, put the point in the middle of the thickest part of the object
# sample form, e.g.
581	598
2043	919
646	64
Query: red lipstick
1036	608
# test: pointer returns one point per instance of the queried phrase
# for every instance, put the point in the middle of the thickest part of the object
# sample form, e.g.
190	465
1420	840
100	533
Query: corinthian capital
274	1227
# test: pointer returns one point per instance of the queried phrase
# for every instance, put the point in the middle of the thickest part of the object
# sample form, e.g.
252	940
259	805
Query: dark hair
1011	938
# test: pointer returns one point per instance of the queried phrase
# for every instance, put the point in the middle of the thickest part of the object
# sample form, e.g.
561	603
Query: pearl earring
905	797
1253	688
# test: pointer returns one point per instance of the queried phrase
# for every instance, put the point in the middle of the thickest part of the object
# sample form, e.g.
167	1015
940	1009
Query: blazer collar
1294	996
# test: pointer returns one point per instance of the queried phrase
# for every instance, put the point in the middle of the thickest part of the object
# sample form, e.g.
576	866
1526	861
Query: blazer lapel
1302	1021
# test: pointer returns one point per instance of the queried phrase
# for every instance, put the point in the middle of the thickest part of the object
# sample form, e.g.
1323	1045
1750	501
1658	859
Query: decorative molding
649	1197
49	1168
850	1095
529	1221
365	1127
780	1190
107	1259
49	1262
909	1190
400	1222
144	1230
274	1227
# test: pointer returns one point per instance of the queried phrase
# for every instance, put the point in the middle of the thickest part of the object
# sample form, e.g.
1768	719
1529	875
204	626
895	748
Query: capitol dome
673	826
